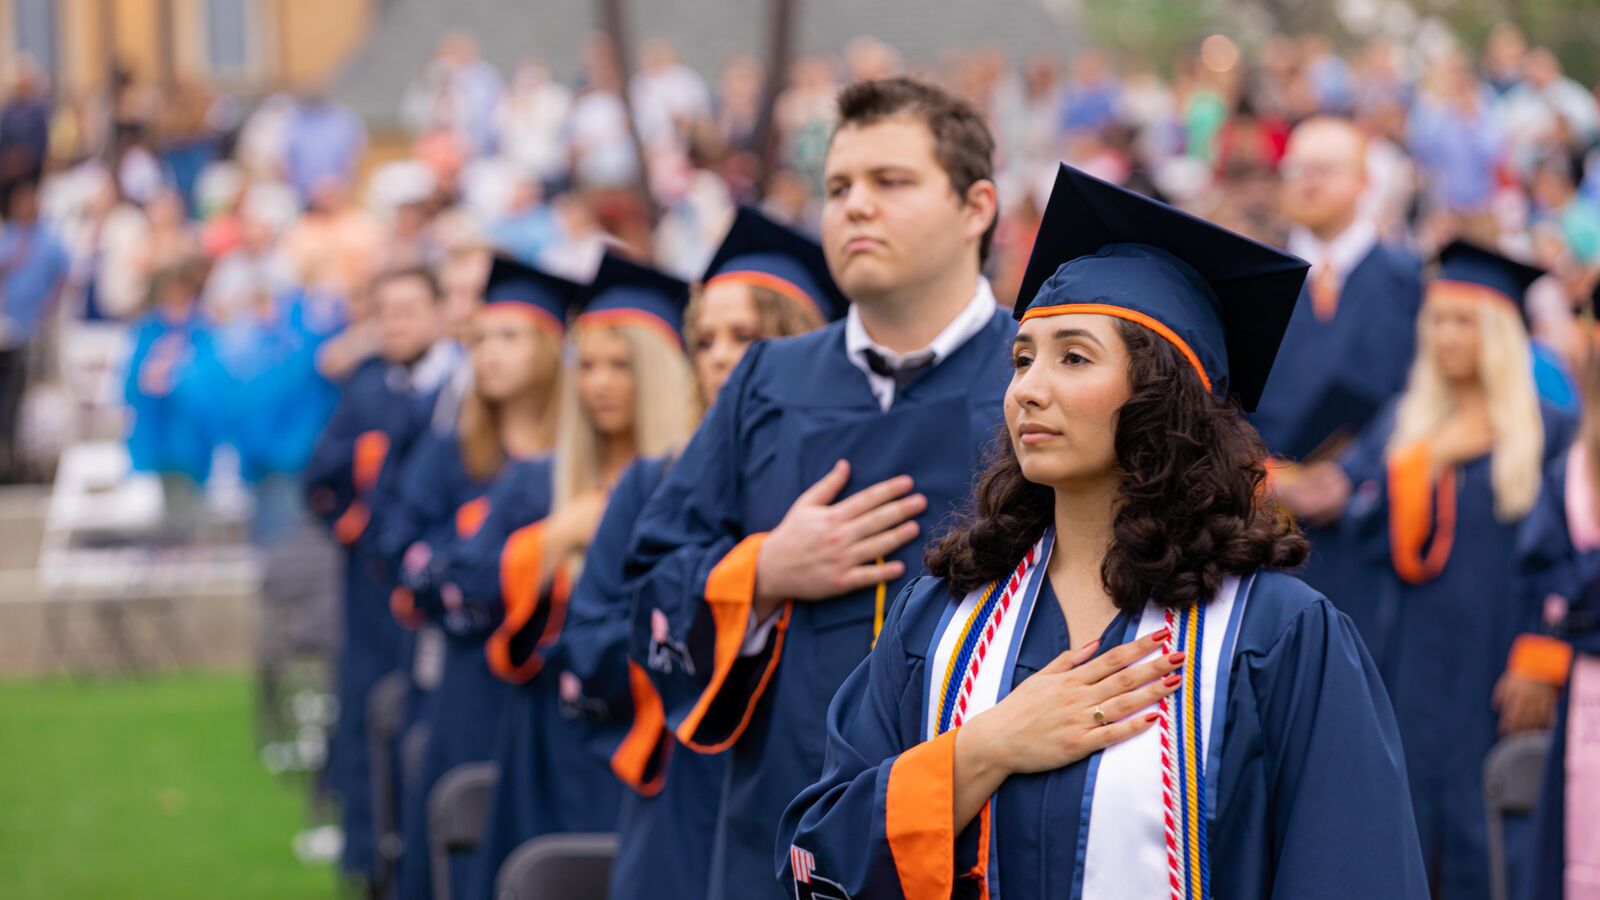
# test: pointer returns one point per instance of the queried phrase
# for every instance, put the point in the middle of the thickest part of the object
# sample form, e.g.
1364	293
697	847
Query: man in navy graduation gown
383	406
803	501
1348	348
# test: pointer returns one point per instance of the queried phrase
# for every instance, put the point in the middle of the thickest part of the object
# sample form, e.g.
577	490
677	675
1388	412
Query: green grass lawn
147	788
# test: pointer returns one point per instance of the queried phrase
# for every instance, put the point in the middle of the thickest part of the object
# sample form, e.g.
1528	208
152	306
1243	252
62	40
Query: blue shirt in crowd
32	266
325	141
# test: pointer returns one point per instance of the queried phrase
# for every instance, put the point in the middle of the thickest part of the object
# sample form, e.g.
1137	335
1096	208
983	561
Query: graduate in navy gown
507	416
1559	554
1443	479
769	553
630	393
1346	352
171	392
382	408
1108	688
764	281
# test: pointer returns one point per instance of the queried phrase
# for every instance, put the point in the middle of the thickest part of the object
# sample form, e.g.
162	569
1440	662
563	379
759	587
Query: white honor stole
1147	837
1150	796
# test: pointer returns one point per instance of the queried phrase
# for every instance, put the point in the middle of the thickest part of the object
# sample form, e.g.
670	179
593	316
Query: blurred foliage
1569	27
1155	33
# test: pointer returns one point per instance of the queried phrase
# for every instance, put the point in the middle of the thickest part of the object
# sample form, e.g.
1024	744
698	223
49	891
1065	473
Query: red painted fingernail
1177	658
1172	680
1161	635
1152	717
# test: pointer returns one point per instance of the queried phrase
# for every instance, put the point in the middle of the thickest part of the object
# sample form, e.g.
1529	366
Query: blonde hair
1505	366
478	423
665	412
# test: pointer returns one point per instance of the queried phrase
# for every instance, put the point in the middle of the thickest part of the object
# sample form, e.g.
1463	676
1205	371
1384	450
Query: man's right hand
1318	494
823	549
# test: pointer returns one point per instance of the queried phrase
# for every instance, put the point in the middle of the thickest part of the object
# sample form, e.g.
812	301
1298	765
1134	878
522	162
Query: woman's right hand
1047	721
571	528
1461	438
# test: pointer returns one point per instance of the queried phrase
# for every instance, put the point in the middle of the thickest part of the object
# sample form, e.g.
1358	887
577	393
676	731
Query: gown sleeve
1340	818
624	723
879	822
1365	523
415	517
1545	556
458	583
345	465
1401	515
691	562
490	582
1548	572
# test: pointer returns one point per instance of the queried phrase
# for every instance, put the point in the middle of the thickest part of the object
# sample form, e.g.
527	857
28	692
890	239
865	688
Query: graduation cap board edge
624	292
762	252
1223	299
1471	272
547	299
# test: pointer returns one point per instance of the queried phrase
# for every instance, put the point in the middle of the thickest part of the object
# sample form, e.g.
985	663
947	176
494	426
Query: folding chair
1512	773
386	715
558	867
458	810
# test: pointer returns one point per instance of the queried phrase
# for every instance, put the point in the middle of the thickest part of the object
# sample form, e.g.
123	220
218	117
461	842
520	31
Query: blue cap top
551	299
1461	263
624	291
1222	299
762	252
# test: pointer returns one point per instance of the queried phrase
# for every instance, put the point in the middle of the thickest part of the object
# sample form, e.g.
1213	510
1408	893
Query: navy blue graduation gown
173	431
549	780
345	481
452	695
791	409
1309	797
669	815
1330	379
1551	566
1443	643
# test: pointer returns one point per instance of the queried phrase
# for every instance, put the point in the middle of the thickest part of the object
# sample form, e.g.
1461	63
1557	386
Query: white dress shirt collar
1343	253
961	329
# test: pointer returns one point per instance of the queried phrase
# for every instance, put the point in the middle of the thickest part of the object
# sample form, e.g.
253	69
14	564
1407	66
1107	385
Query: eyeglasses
1299	170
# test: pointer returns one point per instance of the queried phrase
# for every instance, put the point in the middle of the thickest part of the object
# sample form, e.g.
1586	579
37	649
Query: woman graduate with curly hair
1107	688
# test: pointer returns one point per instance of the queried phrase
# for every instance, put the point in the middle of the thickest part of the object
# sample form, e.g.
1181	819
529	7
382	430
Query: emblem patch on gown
808	885
667	654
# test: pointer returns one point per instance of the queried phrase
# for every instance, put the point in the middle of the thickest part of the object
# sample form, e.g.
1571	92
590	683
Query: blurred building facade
247	46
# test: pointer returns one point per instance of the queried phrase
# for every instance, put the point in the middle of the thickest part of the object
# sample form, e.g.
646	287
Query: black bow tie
902	372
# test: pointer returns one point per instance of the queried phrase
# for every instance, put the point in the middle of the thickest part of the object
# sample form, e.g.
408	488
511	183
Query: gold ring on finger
1099	715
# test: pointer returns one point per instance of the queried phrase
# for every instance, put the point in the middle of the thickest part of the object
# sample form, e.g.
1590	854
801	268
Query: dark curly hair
1190	505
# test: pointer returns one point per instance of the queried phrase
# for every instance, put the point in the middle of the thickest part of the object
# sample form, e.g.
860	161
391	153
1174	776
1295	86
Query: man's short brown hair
429	280
961	140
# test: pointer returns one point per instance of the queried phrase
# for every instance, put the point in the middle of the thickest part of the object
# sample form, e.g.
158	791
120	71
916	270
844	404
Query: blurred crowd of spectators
186	216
